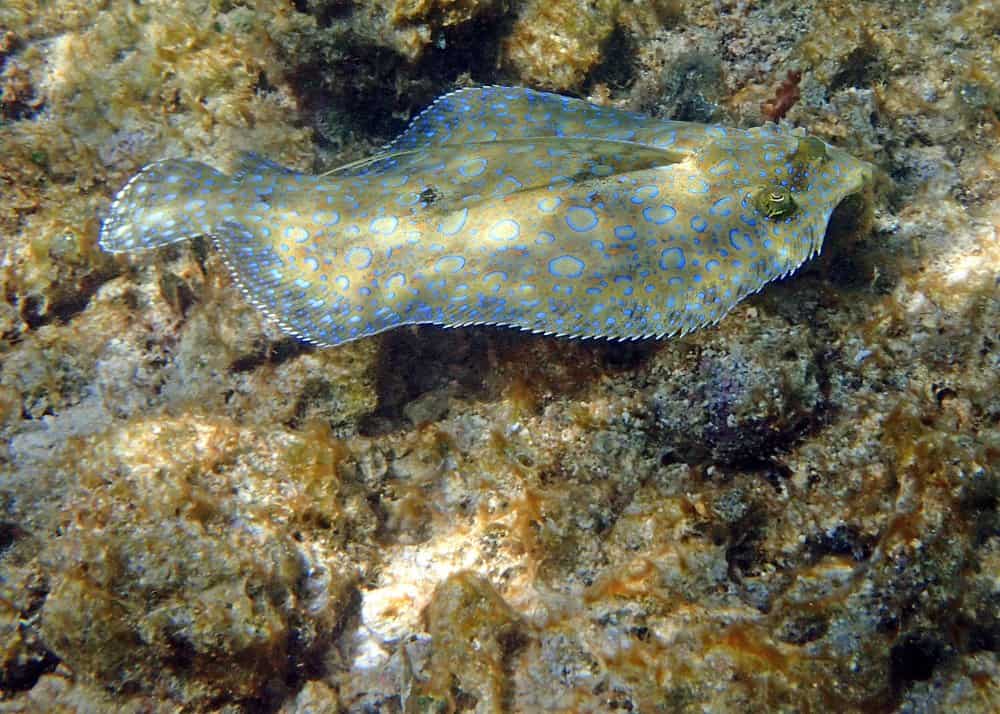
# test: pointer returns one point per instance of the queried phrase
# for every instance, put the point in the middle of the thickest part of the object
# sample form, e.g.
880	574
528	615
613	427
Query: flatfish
508	206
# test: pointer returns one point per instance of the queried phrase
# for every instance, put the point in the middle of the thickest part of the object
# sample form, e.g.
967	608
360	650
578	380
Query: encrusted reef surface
793	511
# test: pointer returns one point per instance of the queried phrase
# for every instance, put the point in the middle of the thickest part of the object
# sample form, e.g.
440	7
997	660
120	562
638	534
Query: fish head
788	185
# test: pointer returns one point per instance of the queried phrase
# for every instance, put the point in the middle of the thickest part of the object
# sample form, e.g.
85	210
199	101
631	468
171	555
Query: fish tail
166	202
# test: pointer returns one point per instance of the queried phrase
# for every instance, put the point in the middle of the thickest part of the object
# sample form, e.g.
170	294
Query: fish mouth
853	207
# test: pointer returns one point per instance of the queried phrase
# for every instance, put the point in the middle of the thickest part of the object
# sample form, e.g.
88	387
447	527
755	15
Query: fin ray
165	202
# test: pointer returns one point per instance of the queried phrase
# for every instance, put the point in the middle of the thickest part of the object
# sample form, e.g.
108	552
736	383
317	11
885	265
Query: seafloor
793	511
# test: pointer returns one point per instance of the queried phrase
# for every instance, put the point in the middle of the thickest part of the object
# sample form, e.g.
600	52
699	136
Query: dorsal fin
250	162
491	113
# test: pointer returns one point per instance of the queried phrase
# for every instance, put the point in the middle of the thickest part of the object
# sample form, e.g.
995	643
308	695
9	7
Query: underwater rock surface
796	509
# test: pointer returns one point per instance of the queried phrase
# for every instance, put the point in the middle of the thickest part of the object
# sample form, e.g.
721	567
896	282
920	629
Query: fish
508	206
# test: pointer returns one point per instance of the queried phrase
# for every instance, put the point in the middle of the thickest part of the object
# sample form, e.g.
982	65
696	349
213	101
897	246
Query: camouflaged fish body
507	206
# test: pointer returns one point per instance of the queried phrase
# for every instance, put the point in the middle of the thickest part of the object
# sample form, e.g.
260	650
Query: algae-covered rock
733	404
474	634
162	583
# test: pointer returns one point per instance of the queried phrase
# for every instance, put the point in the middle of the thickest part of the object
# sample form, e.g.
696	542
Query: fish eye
775	202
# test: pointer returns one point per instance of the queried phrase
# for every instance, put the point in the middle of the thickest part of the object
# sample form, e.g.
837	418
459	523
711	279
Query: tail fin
165	202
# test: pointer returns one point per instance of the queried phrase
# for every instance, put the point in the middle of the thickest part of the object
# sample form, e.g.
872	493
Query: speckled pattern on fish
507	206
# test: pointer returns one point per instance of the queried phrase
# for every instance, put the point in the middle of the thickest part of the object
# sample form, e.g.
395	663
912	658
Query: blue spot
326	218
549	204
311	262
711	265
507	229
645	193
659	214
386	225
698	224
724	167
297	234
672	259
544	238
697	185
625	232
343	282
395	281
664	140
449	264
719	207
473	168
734	234
581	218
359	257
453	223
566	266
495	279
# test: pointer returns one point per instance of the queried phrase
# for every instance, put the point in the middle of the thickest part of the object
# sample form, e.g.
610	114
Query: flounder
507	206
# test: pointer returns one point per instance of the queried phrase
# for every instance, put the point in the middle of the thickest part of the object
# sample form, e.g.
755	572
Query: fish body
507	206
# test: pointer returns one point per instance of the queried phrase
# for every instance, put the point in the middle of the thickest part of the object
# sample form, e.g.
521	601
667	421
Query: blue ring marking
719	208
410	198
326	218
724	167
544	238
506	229
698	185
712	265
581	219
494	280
297	234
625	232
473	167
549	204
659	214
311	262
645	193
453	223
601	170
567	266
698	224
449	264
359	257
664	141
511	180
385	225
394	281
343	282
672	259
735	233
